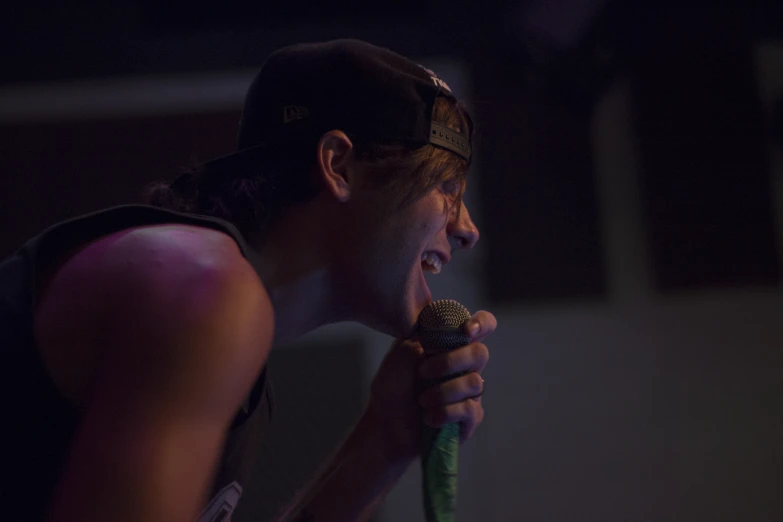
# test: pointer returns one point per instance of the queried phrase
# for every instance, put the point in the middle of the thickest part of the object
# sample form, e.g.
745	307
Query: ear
335	157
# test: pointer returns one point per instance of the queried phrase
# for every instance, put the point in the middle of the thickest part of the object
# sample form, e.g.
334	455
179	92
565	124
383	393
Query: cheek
426	231
415	226
434	220
426	226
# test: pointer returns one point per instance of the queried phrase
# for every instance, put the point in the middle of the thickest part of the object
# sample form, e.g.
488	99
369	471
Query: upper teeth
433	260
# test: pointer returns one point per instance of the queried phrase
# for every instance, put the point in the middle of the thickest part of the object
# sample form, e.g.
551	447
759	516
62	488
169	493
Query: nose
462	232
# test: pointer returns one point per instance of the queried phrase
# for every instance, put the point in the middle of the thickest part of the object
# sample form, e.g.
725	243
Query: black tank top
38	424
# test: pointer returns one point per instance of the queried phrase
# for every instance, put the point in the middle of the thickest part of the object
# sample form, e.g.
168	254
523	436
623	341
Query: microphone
440	329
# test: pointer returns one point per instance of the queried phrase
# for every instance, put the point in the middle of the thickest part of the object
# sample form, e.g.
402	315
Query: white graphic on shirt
224	503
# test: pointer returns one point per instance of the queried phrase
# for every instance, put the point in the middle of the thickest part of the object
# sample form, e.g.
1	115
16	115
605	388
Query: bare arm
355	480
181	343
377	452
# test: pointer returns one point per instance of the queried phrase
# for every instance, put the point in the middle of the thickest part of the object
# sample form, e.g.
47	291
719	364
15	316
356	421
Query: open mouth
431	262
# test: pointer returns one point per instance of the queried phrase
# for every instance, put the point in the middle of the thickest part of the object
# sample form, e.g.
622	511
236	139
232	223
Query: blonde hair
409	174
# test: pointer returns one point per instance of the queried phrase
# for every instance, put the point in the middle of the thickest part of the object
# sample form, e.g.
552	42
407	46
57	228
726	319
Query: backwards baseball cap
366	91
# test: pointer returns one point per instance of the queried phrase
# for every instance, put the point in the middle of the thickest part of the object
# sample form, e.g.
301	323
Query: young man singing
135	339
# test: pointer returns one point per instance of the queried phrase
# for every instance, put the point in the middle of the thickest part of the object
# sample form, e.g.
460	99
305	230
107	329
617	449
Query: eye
451	187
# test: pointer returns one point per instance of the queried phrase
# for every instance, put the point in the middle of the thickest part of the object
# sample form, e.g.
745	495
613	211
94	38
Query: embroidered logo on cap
437	81
294	112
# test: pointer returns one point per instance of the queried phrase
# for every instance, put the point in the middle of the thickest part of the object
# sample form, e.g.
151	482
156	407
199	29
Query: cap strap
449	139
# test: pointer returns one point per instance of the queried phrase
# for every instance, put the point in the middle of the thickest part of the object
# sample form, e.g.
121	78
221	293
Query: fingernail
473	328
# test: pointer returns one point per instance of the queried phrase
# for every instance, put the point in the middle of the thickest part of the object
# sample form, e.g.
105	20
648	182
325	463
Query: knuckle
450	364
440	416
480	413
475	382
466	410
480	352
477	412
487	319
431	367
453	413
433	396
438	395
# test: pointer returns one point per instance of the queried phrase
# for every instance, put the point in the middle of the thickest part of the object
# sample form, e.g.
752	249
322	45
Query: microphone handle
439	463
439	459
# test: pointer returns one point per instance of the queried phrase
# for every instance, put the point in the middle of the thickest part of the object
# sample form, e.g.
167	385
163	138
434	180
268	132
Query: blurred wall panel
53	170
312	414
703	147
539	200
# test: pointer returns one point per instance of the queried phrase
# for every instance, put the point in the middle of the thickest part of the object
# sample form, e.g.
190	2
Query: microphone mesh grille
440	326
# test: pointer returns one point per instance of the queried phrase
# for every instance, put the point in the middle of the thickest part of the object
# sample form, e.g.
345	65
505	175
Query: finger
399	369
469	426
407	348
472	357
468	413
403	354
481	325
470	385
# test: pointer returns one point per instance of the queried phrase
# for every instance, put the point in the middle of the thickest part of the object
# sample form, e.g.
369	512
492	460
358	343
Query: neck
294	264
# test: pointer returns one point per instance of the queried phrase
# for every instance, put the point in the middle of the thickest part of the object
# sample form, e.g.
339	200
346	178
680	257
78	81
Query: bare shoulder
177	328
179	251
170	295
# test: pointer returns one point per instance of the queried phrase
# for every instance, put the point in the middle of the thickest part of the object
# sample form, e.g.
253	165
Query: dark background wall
537	72
53	170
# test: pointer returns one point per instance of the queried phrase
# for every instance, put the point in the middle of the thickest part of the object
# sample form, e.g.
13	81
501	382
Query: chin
397	324
401	329
395	313
405	331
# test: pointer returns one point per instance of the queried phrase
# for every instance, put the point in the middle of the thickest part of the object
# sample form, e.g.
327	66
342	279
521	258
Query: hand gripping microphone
441	328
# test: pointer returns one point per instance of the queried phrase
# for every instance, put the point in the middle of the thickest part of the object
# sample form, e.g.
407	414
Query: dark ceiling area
576	46
45	41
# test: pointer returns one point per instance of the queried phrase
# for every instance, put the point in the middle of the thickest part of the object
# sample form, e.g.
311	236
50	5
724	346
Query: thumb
401	360
406	351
